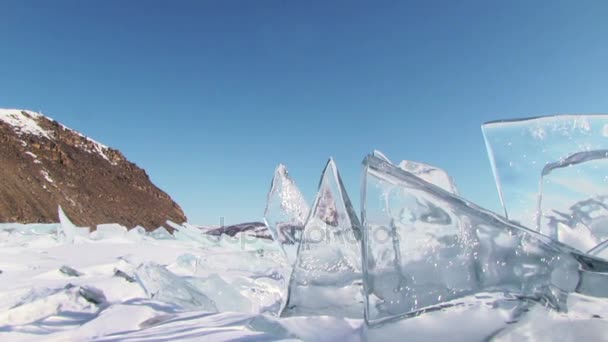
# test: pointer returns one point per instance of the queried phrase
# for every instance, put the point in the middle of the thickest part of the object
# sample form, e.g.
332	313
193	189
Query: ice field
415	262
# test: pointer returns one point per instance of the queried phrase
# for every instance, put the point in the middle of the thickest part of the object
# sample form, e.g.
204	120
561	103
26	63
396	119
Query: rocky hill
44	164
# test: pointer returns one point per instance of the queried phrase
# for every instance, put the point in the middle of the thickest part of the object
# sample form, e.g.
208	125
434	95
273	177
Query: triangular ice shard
286	212
327	279
67	230
424	247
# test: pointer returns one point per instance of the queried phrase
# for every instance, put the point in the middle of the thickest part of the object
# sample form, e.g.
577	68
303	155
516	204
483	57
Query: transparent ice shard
431	174
67	230
160	284
286	212
189	233
31	229
600	251
109	231
223	294
424	246
48	306
572	199
137	233
161	233
549	170
382	156
327	279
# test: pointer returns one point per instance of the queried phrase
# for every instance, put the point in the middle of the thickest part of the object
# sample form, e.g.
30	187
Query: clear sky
208	96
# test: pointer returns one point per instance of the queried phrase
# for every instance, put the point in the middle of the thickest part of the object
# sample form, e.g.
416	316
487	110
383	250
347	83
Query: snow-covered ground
114	285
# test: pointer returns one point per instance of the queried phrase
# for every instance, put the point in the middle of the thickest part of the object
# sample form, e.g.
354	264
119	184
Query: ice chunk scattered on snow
162	285
326	278
413	264
286	212
161	233
124	275
70	272
224	295
109	230
92	295
67	230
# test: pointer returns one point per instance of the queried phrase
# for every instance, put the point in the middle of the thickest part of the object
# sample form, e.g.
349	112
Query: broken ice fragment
600	251
382	156
161	233
67	230
529	159
92	295
224	295
326	279
414	264
160	284
186	232
286	212
109	231
431	174
70	272
125	276
137	233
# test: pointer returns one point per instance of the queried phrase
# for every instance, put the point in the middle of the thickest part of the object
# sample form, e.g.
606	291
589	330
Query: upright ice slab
286	212
550	170
424	246
326	278
67	230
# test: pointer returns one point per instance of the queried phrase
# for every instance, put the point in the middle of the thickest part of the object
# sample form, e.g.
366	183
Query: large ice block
550	170
326	279
424	246
286	212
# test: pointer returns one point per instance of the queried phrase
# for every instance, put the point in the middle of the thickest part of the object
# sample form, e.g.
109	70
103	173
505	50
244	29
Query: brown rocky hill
44	164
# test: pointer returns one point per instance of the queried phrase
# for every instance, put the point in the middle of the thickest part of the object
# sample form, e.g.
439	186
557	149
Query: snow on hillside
27	122
24	122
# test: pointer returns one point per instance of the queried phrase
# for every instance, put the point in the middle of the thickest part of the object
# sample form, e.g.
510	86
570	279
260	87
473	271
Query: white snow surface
242	279
25	122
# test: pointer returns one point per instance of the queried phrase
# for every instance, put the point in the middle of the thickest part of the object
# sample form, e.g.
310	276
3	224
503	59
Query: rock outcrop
44	164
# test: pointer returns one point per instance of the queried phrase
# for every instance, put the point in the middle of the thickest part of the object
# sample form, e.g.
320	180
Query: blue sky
208	96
